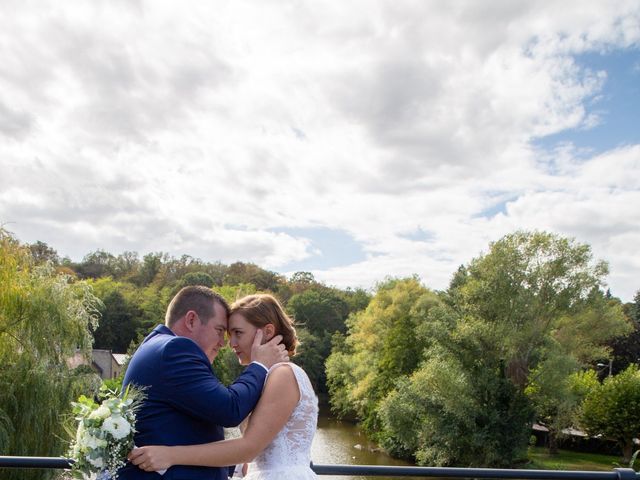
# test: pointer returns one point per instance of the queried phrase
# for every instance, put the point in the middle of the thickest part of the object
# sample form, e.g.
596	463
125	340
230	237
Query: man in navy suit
185	403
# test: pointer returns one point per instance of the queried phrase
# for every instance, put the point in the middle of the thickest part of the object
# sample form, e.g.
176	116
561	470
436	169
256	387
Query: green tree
458	408
193	278
527	314
613	409
120	314
319	310
380	348
96	264
543	295
41	253
534	284
231	293
626	349
264	280
44	317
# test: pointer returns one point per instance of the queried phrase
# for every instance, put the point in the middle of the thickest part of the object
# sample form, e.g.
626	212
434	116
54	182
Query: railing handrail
388	470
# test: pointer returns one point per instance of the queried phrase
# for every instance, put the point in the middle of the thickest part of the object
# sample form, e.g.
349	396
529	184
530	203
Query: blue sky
356	140
617	104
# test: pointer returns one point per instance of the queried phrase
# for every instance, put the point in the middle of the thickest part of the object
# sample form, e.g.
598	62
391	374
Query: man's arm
190	386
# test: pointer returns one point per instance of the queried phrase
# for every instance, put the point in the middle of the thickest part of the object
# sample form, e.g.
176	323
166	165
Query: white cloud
201	129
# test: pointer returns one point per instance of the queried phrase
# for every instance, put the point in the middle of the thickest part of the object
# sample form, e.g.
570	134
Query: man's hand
270	353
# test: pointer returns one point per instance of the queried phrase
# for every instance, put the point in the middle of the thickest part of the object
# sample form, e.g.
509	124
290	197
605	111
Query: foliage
226	365
264	280
319	310
44	317
626	349
119	315
533	286
458	408
379	348
194	278
231	293
311	353
543	294
105	431
613	409
455	378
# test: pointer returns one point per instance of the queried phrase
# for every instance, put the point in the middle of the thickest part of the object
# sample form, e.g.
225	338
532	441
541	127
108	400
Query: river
335	442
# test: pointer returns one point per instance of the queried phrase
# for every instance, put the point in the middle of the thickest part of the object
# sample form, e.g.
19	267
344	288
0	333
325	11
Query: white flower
100	413
96	462
118	427
89	441
80	432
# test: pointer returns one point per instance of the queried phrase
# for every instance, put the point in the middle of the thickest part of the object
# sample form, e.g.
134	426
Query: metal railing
388	471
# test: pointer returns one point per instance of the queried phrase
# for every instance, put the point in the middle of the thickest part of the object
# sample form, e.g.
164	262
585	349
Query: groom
185	403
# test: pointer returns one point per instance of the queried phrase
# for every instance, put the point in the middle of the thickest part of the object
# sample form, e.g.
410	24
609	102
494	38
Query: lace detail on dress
291	448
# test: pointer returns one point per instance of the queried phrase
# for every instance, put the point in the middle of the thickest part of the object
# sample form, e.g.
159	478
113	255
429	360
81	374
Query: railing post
626	473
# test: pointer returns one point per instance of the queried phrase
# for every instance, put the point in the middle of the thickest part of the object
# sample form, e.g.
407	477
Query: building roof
120	358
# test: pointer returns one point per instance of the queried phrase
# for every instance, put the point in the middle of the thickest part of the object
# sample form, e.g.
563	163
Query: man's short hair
198	298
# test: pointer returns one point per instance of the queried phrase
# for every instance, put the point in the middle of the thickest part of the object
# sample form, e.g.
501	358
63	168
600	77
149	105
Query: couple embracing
180	425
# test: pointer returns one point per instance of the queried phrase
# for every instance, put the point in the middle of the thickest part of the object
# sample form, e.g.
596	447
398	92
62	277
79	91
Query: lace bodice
290	451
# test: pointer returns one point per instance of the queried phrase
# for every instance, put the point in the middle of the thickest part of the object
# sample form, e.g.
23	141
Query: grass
568	460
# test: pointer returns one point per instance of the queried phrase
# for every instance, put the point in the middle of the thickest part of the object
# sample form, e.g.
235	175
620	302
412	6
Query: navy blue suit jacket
185	403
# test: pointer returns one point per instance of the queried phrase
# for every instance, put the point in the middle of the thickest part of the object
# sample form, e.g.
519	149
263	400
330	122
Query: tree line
453	377
52	308
458	377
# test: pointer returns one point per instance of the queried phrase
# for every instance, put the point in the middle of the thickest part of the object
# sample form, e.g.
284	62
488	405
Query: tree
194	278
530	285
554	399
378	348
613	409
41	253
544	295
319	310
518	319
96	264
458	407
626	349
264	280
44	317
150	268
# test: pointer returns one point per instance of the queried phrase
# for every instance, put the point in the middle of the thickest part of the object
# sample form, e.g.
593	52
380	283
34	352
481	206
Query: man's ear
190	319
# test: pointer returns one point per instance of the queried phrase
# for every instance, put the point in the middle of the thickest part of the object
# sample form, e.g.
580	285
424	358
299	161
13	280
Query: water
335	442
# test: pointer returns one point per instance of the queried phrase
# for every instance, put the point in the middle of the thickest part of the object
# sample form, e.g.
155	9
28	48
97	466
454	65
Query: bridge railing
388	471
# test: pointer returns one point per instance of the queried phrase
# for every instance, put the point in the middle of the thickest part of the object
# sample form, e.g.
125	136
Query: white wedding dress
288	456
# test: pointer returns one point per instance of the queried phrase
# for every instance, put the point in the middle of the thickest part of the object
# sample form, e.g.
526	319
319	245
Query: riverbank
569	460
344	442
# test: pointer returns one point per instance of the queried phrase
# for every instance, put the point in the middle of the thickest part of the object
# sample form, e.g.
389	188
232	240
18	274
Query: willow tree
44	319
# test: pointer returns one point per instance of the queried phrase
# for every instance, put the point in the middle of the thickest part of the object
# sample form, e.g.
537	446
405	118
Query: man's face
210	336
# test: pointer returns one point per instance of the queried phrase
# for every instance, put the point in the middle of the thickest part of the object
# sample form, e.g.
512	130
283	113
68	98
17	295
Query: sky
355	140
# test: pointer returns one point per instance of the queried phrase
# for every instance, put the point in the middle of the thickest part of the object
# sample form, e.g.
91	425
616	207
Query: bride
279	432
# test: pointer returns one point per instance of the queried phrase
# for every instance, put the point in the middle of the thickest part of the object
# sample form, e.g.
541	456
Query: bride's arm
280	396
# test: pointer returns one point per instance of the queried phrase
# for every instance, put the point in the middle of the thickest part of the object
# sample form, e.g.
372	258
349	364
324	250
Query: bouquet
105	432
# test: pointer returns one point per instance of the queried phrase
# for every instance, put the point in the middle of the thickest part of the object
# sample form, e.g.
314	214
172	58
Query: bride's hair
263	309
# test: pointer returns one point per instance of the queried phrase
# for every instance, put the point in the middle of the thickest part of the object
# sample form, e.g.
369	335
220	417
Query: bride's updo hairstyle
263	309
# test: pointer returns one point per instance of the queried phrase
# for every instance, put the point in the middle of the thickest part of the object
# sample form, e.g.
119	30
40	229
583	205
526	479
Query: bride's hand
151	458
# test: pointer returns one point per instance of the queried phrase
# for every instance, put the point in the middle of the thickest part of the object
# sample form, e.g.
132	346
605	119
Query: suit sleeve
192	388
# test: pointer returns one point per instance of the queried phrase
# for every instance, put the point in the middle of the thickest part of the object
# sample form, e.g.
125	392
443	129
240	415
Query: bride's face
241	334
